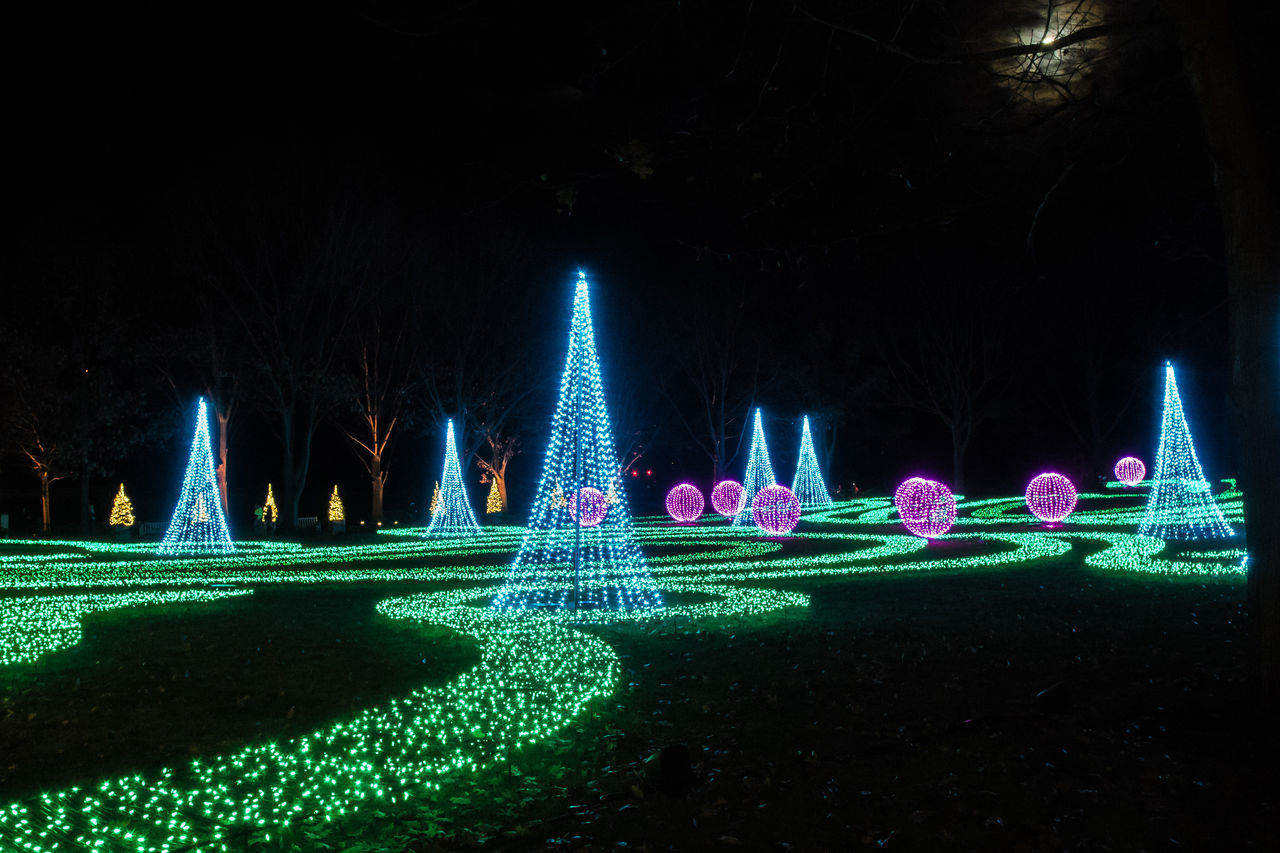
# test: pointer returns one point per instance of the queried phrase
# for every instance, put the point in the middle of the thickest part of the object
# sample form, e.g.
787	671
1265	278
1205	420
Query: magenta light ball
685	503
1130	470
727	497
594	506
1051	497
776	510
927	507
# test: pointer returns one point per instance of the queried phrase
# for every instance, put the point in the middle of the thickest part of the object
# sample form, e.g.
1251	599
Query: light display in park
927	507
1051	497
1130	470
198	524
121	510
759	472
336	510
775	509
562	564
493	503
595	506
435	500
451	515
685	503
1180	505
728	497
270	511
808	485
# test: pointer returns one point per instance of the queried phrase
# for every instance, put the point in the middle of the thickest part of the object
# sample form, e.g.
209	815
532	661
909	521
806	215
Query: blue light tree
1180	505
808	485
759	473
596	563
198	525
452	515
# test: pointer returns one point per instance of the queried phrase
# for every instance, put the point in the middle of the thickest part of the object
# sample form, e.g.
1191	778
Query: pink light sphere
776	510
927	507
685	503
727	497
1051	497
1130	470
594	506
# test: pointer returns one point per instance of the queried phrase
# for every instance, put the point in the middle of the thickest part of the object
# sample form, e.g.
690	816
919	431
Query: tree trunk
221	468
46	505
377	480
289	486
1247	194
959	443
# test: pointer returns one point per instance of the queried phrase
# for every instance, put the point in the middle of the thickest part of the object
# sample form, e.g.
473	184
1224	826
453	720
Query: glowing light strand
561	564
198	524
452	515
1180	505
808	485
759	472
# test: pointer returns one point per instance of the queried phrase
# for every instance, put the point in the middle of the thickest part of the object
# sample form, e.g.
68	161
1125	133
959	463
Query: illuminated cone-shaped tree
493	503
337	512
198	525
595	563
270	512
759	473
452	515
808	485
435	500
1180	505
121	510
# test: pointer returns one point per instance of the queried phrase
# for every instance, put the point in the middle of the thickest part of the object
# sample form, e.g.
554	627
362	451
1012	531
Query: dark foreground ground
1030	708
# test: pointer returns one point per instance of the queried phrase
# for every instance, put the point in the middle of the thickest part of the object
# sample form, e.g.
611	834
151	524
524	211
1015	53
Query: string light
561	564
595	506
685	503
1130	470
336	511
493	503
808	485
727	498
270	512
451	513
1050	497
759	472
927	507
1180	505
776	509
198	524
121	510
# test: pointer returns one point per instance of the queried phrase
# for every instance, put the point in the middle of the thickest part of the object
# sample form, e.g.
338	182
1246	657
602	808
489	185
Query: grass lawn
1039	705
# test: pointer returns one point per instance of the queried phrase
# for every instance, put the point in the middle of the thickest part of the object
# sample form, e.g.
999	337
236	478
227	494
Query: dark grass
151	687
1034	707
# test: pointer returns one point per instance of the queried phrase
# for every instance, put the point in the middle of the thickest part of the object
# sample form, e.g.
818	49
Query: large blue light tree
452	514
759	473
808	485
1180	505
198	525
579	548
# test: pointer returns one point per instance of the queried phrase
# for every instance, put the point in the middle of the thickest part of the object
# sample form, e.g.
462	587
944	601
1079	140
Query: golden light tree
271	512
435	500
493	503
121	510
336	511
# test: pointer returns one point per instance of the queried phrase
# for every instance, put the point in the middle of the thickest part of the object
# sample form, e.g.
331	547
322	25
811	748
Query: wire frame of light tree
453	515
198	524
759	473
562	564
808	485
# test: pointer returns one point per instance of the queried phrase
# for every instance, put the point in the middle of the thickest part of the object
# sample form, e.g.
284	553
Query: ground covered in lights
1012	686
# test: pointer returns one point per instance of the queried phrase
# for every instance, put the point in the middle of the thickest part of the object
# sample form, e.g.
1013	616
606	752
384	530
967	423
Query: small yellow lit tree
121	510
435	500
336	512
493	503
271	512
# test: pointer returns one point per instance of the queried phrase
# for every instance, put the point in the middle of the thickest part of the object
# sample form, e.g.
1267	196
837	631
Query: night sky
744	169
